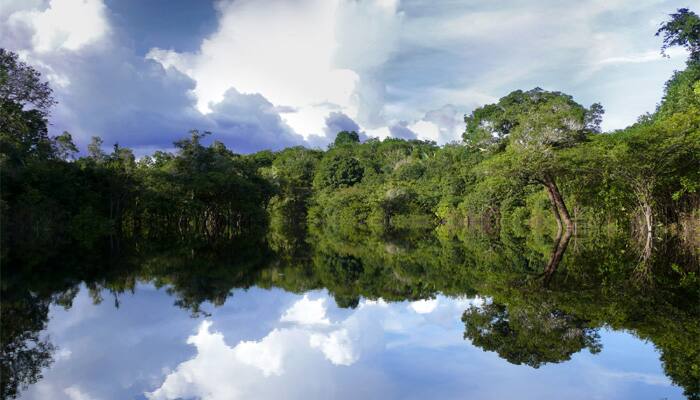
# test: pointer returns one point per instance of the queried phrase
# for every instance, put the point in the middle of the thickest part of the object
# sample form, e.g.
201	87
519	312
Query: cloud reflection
270	344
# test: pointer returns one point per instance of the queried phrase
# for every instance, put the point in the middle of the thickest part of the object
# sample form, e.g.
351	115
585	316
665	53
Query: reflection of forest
595	285
203	220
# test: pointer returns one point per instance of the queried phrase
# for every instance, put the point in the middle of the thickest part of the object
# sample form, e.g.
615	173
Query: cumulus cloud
56	26
245	351
449	120
280	49
309	341
337	121
424	306
336	346
307	312
260	368
307	54
249	122
105	89
275	73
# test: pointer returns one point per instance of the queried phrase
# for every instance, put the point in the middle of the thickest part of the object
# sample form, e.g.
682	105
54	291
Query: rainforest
565	233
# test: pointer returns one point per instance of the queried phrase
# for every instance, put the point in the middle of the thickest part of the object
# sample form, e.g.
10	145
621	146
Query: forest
532	175
534	157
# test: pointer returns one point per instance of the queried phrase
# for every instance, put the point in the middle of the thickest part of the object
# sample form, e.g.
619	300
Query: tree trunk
556	197
648	212
555	210
560	245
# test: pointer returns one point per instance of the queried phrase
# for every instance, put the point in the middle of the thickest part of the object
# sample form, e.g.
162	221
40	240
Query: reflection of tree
561	242
527	323
197	275
531	336
24	352
594	286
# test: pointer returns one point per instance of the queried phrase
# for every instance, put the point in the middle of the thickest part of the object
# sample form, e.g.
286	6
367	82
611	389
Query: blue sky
269	343
274	73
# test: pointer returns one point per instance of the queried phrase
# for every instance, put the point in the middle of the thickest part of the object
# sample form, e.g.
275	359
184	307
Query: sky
271	344
268	74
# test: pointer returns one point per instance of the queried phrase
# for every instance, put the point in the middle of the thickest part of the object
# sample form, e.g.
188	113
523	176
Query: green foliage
682	30
21	84
339	170
346	138
531	336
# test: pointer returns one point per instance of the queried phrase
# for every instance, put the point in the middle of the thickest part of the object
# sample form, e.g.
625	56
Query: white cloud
279	49
336	346
274	71
247	352
304	54
281	359
426	130
424	306
307	312
62	355
643	57
649	379
109	91
254	368
74	393
265	355
64	24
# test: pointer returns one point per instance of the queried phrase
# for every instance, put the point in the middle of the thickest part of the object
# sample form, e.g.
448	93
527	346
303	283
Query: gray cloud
450	122
401	130
143	105
337	121
248	122
104	89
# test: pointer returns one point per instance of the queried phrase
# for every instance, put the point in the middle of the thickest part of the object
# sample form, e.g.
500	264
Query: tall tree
525	131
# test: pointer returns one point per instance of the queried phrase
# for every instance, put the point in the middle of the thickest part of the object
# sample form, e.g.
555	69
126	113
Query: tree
531	336
525	131
682	30
24	352
25	101
338	170
346	137
23	135
95	151
65	148
21	84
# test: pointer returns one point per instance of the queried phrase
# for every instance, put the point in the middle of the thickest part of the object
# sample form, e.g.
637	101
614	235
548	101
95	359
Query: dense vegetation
524	321
388	218
532	152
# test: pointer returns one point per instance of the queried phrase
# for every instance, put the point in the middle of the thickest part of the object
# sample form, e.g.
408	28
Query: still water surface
273	344
434	318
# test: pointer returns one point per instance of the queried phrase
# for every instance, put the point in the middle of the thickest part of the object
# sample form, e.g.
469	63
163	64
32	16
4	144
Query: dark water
426	315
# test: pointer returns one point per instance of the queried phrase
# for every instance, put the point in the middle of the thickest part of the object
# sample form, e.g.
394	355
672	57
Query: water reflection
324	312
260	346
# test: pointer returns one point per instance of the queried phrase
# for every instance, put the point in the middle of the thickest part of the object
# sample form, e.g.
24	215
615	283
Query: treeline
51	197
533	158
524	322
